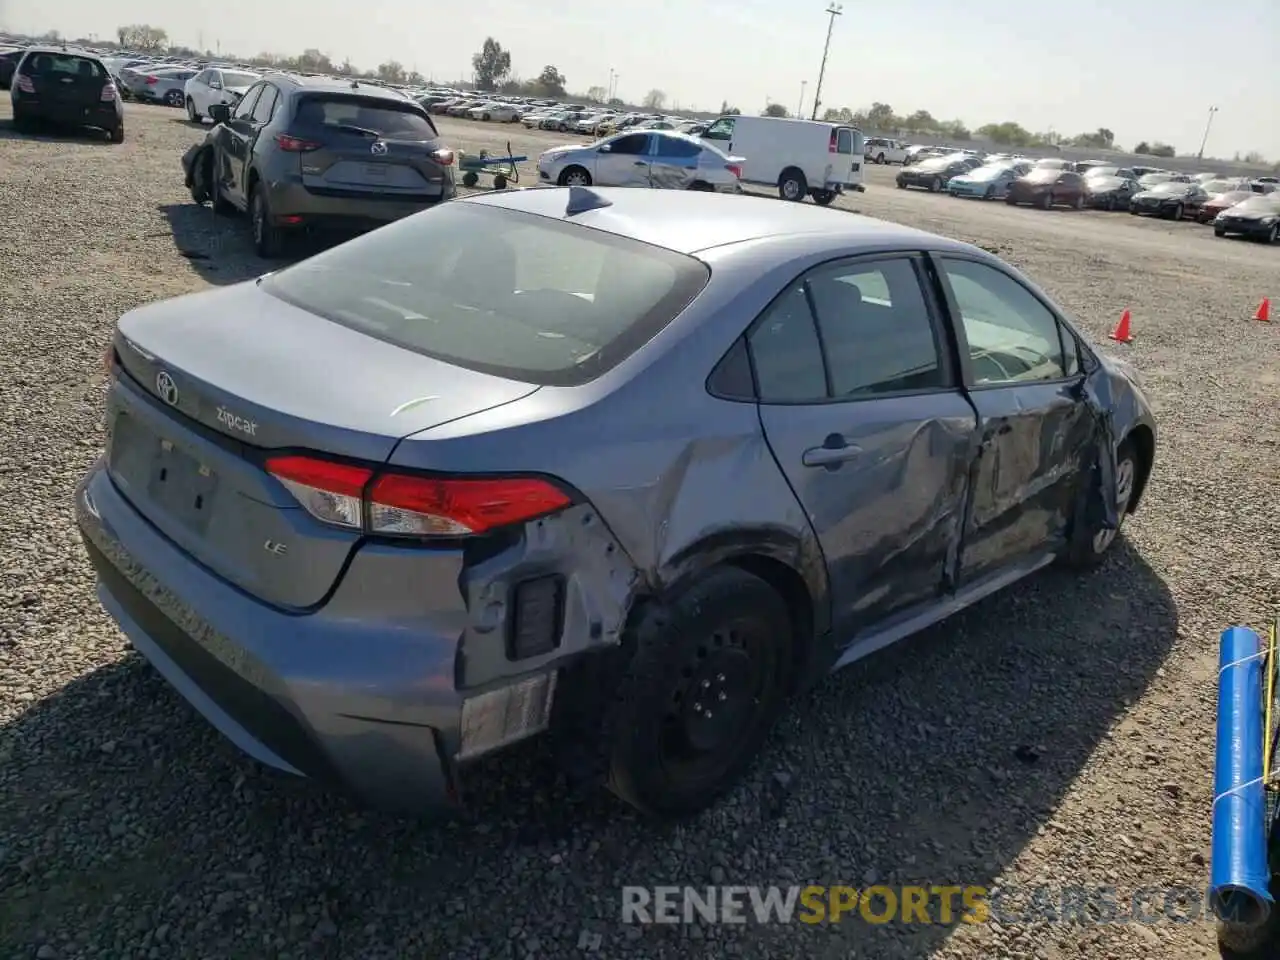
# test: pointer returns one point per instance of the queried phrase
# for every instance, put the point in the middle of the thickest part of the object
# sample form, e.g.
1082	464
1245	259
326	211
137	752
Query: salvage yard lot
1060	733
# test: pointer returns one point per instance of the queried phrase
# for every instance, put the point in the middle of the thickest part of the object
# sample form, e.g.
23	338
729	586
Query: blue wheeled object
502	169
1246	855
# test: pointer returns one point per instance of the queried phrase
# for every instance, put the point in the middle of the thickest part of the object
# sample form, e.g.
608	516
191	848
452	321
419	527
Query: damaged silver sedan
625	468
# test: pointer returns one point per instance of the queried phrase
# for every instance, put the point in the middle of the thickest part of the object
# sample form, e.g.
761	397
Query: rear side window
525	297
266	105
355	114
844	141
49	64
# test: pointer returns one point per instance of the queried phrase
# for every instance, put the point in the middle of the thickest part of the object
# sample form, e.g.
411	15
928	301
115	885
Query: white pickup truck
881	150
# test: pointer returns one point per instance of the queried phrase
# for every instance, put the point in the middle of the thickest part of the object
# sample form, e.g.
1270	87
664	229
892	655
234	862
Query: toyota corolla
628	467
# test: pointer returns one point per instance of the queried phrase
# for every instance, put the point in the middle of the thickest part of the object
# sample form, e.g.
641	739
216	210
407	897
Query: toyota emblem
378	148
167	389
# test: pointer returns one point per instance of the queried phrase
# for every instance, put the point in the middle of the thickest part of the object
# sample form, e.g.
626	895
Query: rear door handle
831	454
641	163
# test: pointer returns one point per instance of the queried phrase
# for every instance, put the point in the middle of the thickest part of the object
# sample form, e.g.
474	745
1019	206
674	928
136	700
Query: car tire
722	648
1046	201
1111	204
174	98
880	158
574	176
1219	232
1011	200
792	186
823	198
1078	203
268	239
1177	213
990	194
221	205
901	185
935	185
116	133
1274	234
192	114
563	128
1090	545
485	117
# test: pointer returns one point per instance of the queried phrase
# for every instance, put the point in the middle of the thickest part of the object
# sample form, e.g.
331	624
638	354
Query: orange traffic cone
1264	311
1122	334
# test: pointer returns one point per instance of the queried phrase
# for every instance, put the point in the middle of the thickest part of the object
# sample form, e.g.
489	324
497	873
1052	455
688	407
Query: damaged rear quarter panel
672	479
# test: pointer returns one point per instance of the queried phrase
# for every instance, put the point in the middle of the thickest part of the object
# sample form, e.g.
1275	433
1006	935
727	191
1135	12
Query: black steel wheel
710	671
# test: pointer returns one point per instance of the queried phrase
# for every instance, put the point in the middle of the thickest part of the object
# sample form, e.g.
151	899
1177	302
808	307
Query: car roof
690	221
64	51
336	85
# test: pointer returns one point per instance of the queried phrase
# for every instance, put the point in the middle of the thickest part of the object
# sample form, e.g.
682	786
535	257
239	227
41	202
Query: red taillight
109	93
734	169
152	81
443	157
399	504
109	359
25	84
831	147
294	144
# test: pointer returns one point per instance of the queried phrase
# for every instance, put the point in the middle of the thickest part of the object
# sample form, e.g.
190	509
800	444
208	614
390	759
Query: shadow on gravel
126	822
220	249
55	134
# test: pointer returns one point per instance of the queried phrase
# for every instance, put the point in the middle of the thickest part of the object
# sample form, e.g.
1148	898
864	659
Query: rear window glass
230	79
46	64
346	113
520	296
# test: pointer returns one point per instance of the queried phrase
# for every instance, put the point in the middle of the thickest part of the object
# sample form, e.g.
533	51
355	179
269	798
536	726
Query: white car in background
215	85
499	112
643	158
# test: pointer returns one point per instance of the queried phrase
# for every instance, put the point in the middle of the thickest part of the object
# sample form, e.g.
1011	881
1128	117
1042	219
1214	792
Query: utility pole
1204	142
800	105
833	11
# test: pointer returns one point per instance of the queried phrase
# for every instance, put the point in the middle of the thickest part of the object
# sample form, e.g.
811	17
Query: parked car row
1233	205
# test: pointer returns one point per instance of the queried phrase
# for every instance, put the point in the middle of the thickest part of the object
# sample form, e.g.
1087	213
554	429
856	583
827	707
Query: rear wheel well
1144	445
795	593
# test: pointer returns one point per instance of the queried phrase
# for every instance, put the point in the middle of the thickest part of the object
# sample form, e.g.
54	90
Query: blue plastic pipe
1239	876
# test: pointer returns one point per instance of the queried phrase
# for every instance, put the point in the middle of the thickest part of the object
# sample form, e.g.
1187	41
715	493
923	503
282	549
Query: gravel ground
1059	734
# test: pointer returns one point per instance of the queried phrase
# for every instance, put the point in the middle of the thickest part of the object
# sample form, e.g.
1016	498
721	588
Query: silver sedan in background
643	158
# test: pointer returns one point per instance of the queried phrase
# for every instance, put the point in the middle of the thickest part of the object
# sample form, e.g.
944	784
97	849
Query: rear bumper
368	708
105	115
290	198
1244	228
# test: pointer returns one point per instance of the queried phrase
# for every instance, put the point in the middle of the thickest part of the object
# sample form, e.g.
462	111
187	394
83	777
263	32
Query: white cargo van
797	156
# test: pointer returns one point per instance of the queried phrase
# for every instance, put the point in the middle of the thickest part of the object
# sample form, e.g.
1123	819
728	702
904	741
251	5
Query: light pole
608	91
1205	141
800	105
833	11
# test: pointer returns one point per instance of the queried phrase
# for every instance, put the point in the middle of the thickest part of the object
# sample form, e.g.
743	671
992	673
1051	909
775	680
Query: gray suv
301	152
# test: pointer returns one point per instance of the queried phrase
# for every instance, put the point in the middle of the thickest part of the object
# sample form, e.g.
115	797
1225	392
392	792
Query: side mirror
215	84
219	112
606	148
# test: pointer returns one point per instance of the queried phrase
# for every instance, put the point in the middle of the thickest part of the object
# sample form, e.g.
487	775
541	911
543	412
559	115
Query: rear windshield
384	119
49	64
524	297
230	79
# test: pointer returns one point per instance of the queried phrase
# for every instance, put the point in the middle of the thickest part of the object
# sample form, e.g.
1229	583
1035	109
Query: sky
1070	66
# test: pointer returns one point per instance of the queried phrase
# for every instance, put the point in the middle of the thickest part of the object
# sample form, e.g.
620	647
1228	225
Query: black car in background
1171	199
1110	192
1257	218
8	63
68	87
932	174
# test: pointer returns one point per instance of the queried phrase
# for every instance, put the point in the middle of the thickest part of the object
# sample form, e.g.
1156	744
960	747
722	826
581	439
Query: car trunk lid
369	147
66	78
213	382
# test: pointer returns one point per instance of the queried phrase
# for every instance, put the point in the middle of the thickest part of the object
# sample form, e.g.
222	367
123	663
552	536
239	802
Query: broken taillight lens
407	505
108	93
25	85
735	169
